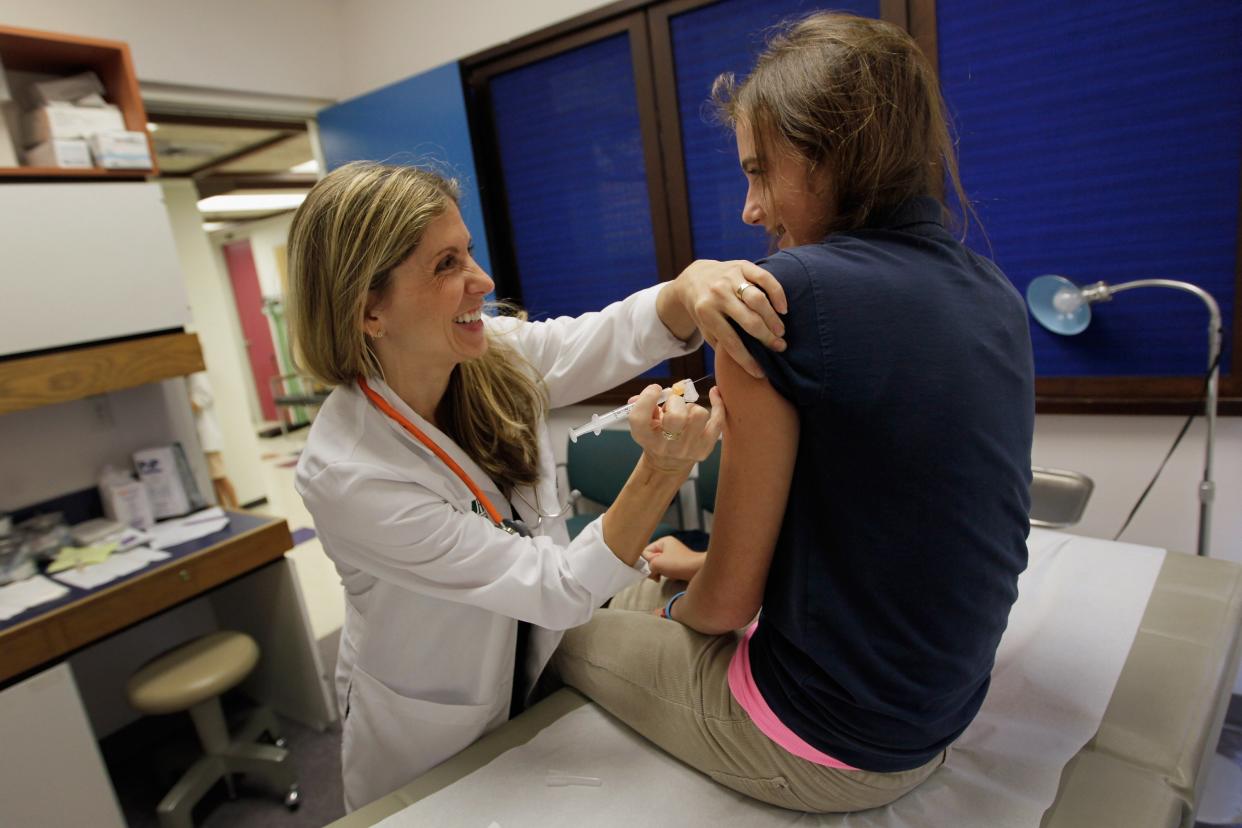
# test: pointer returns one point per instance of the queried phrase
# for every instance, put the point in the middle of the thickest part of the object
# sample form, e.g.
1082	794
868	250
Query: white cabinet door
51	772
83	262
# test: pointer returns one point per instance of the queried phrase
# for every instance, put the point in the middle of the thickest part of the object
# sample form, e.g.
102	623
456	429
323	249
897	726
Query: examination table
1145	766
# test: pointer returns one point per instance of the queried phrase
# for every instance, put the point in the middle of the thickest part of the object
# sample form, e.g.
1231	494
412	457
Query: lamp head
1058	304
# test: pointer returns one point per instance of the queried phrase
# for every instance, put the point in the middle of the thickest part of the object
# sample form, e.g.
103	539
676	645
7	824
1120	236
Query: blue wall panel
419	120
567	129
1100	140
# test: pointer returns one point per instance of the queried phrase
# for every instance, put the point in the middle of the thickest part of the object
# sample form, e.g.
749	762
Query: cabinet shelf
31	382
51	53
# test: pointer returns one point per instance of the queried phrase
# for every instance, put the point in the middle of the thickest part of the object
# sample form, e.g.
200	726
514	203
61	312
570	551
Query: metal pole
1207	487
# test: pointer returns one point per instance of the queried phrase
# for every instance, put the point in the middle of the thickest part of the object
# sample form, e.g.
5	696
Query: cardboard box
168	480
57	121
72	154
121	150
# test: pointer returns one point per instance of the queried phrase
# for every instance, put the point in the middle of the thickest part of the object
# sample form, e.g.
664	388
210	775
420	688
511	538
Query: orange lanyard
384	406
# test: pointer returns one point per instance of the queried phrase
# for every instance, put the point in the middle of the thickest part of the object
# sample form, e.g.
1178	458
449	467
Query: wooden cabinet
49	53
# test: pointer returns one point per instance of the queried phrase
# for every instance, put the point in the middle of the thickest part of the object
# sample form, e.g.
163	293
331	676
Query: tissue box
170	484
71	152
127	503
68	121
121	150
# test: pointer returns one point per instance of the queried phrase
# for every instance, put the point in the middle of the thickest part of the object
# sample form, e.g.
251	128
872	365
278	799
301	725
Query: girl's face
432	310
783	195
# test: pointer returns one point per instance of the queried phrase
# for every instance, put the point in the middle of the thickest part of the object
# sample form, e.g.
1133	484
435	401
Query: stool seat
193	673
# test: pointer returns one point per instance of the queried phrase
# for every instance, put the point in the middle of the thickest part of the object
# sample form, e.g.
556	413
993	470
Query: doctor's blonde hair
353	229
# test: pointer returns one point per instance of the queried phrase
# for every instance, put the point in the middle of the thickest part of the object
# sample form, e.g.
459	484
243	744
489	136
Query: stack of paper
169	533
20	596
119	564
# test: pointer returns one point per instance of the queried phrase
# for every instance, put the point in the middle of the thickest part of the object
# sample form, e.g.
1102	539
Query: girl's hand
679	434
672	559
709	292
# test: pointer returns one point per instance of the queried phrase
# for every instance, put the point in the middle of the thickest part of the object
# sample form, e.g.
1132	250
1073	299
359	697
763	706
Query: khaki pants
670	684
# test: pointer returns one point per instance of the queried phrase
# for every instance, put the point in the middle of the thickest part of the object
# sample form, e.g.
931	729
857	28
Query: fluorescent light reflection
251	203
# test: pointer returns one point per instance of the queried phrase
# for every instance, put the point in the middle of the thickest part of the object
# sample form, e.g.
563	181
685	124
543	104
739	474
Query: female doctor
434	442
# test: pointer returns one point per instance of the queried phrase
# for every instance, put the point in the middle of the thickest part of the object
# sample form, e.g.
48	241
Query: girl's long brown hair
853	95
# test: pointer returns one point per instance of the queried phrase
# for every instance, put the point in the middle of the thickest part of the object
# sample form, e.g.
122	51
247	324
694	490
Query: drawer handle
185	574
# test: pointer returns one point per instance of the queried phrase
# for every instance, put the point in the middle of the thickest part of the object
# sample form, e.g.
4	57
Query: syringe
683	388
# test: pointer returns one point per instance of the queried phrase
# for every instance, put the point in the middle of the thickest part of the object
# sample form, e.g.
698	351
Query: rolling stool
192	677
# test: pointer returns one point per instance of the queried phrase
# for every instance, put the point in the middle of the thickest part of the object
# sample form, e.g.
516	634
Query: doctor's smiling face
784	195
431	310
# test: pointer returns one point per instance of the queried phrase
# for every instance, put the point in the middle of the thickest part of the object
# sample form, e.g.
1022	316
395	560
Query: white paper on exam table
1050	687
117	565
19	596
169	533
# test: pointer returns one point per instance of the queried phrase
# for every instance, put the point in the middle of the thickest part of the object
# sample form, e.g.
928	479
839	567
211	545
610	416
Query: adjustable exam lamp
1064	308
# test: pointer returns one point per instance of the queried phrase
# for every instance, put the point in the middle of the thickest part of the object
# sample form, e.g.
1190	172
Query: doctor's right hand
679	434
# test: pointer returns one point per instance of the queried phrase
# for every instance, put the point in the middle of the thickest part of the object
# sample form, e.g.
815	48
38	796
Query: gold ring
668	435
740	289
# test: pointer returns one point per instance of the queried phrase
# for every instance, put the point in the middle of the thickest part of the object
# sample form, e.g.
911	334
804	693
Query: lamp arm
1207	488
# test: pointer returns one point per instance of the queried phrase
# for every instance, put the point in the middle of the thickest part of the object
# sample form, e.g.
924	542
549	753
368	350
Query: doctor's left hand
709	292
679	434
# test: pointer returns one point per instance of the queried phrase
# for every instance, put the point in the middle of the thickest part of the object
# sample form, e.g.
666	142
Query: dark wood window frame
647	23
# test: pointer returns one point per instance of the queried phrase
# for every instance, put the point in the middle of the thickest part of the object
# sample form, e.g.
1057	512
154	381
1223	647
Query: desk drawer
26	647
130	602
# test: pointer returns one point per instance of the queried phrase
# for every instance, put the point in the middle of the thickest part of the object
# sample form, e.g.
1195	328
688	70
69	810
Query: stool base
225	758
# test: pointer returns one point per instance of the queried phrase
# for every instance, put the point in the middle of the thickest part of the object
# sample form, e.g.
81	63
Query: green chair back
598	466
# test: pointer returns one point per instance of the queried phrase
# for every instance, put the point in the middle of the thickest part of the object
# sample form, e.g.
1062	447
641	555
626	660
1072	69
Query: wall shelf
51	53
31	382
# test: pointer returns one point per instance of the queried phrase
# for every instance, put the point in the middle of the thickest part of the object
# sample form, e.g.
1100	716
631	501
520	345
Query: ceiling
231	157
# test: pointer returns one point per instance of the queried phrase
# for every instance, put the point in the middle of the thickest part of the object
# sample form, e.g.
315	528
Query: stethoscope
512	526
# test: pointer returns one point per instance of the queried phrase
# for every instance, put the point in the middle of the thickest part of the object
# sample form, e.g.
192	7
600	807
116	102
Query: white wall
1122	453
384	41
285	47
58	449
215	322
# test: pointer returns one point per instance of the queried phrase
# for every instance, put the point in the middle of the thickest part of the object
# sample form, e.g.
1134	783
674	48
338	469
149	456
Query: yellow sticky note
71	556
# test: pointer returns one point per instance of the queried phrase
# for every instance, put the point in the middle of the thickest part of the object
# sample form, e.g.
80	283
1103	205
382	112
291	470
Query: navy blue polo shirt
909	362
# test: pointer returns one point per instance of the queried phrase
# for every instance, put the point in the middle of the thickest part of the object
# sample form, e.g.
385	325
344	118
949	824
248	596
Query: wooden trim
556	30
896	12
37	174
544	50
653	153
229	158
46	379
1225	406
227	122
48	637
211	185
669	113
921	23
1232	385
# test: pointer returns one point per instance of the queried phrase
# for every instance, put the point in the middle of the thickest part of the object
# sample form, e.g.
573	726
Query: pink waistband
742	686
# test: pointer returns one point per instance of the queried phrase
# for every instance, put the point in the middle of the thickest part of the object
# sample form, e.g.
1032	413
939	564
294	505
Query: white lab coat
432	588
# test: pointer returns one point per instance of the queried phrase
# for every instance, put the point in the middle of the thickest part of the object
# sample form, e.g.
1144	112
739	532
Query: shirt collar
918	210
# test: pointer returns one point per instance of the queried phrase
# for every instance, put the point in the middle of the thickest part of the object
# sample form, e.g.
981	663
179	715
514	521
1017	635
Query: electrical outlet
101	408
